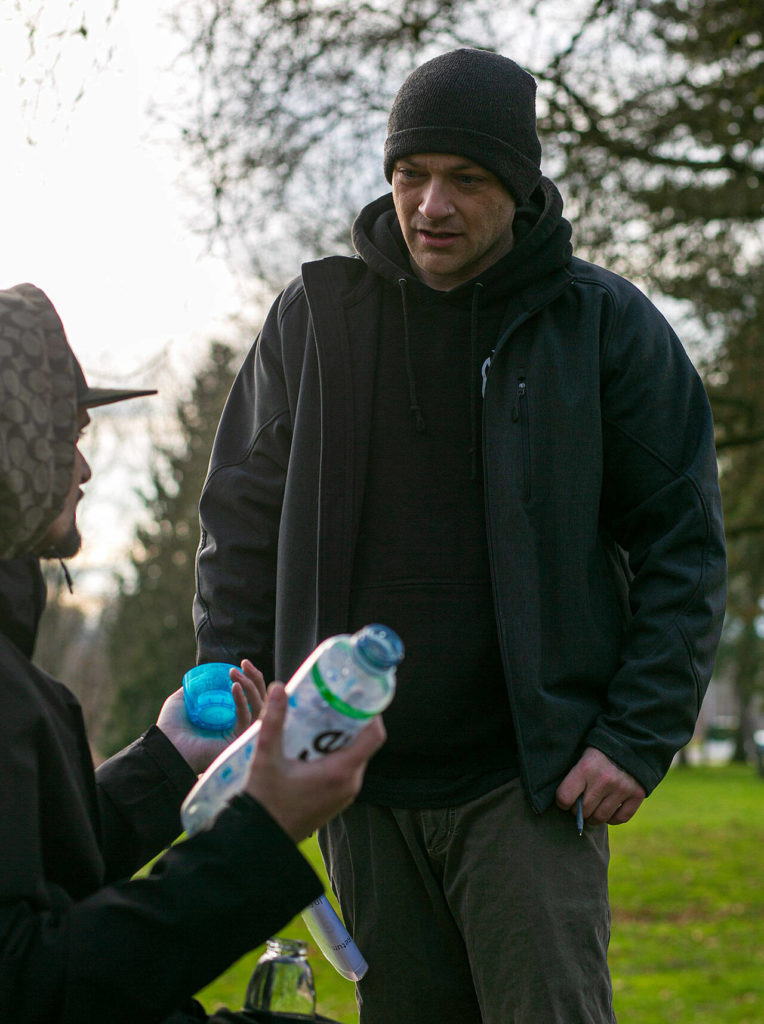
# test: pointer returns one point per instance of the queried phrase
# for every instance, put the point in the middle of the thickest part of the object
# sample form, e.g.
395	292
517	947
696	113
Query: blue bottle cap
207	693
380	646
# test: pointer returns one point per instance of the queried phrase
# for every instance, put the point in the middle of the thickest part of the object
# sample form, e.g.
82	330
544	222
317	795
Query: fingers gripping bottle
341	686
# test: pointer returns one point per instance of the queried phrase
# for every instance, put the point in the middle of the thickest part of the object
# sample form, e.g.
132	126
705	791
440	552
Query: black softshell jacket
79	942
602	502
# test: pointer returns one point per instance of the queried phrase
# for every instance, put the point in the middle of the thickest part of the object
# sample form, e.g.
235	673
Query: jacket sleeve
140	791
74	950
662	506
240	511
136	950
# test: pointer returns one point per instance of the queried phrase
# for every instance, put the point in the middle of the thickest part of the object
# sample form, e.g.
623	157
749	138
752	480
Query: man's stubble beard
68	546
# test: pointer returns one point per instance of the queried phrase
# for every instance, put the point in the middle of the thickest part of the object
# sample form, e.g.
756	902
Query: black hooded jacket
602	510
80	941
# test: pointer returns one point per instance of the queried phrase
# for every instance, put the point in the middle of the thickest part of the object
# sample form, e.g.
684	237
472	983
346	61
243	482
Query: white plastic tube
334	940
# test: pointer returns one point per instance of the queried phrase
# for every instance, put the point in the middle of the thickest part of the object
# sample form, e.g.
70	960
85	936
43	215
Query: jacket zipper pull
484	371
521	389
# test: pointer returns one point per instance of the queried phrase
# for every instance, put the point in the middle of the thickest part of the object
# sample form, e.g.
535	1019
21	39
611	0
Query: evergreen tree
151	637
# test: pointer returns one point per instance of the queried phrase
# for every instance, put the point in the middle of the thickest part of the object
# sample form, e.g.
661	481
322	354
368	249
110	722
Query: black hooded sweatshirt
421	563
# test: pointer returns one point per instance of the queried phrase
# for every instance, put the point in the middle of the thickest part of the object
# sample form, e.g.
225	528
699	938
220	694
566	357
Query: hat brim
89	398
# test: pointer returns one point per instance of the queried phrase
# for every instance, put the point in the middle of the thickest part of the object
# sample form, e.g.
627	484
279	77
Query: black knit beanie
471	103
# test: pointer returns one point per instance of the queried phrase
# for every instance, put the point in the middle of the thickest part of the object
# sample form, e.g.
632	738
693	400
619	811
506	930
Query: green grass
687	888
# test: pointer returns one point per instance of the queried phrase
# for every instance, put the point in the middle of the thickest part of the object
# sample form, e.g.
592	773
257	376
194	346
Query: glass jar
282	981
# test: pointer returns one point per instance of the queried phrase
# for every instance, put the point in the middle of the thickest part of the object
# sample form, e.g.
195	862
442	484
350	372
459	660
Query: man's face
456	217
62	535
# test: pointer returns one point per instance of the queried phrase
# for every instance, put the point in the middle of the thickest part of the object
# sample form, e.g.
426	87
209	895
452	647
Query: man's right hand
302	795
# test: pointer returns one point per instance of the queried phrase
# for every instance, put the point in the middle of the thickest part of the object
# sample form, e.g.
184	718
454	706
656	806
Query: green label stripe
336	702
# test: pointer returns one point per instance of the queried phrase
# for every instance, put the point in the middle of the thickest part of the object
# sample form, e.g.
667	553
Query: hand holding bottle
306	767
345	683
303	795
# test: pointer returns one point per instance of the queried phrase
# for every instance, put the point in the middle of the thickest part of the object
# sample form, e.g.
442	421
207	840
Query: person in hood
79	940
502	452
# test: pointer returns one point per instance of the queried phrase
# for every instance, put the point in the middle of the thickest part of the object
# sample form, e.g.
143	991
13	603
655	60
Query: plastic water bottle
343	684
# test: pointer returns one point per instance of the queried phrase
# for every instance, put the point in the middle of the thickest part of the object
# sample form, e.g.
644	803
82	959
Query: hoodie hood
542	246
542	249
41	387
38	418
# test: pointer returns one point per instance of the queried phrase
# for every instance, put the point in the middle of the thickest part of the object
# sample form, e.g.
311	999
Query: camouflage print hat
41	388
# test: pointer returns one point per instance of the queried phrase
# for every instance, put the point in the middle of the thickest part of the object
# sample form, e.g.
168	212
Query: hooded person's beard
68	546
71	543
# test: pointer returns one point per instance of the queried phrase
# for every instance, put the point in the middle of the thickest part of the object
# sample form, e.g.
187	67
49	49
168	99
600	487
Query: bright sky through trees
93	211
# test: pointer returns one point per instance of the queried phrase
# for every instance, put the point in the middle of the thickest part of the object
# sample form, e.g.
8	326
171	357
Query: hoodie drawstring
474	372
474	382
413	400
52	553
67	577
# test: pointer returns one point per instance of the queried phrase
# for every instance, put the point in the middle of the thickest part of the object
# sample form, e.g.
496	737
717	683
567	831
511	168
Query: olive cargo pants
482	913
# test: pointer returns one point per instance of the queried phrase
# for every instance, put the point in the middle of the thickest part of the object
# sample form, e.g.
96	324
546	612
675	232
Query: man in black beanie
505	454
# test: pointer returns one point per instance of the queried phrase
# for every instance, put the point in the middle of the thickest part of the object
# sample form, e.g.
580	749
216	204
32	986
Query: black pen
580	815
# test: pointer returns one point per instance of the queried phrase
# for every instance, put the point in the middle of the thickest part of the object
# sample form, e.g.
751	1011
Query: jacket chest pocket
521	424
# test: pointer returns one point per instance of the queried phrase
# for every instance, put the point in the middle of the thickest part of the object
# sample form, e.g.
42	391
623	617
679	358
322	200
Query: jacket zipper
522	756
520	414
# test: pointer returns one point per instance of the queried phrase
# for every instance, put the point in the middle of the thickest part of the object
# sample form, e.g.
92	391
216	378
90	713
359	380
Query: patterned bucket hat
41	388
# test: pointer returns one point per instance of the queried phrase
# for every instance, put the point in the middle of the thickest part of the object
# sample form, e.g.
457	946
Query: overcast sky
94	212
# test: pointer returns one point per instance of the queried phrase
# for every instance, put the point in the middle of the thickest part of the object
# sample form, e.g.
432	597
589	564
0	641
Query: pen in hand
580	815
